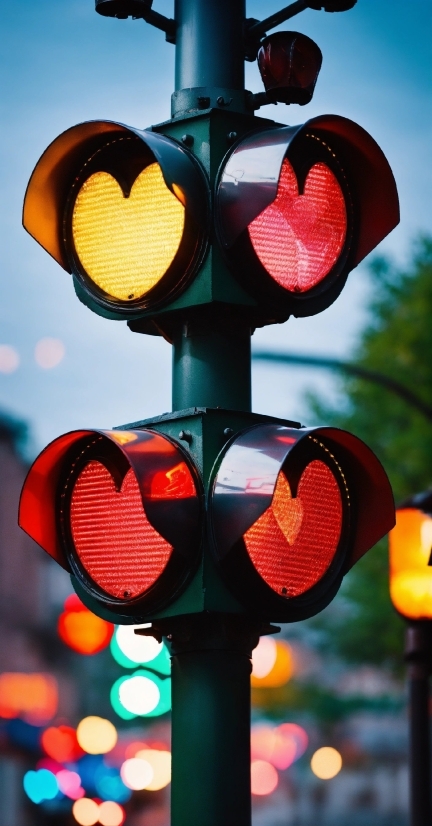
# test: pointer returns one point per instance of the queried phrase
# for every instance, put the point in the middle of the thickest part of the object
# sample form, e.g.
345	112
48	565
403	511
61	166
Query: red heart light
293	543
299	238
113	537
61	744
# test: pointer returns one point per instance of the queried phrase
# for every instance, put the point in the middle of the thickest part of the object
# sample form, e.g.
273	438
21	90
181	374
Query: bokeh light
60	743
137	648
69	782
139	695
49	352
111	814
143	694
326	763
86	811
40	785
9	359
82	630
275	670
31	696
263	657
264	777
278	745
96	735
160	761
136	773
109	785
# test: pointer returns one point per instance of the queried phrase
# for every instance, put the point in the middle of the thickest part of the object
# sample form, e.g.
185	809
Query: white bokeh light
264	657
9	359
139	695
136	773
137	648
49	352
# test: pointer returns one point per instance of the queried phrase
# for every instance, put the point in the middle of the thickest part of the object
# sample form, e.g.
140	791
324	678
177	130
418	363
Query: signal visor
120	510
125	211
290	512
297	208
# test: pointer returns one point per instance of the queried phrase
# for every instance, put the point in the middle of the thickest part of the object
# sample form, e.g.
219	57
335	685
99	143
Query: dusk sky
61	63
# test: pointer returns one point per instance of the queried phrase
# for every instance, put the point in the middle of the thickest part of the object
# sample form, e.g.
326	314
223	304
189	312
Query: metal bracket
138	10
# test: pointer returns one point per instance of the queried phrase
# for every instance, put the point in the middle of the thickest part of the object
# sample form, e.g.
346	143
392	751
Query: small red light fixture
289	63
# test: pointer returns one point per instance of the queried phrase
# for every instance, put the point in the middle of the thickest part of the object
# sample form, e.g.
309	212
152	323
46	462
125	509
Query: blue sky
60	64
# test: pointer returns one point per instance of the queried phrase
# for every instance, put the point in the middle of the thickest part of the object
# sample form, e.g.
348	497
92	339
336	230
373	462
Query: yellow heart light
126	245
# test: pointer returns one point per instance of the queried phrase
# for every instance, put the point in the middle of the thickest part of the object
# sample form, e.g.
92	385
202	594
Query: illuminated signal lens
299	237
113	538
294	542
127	244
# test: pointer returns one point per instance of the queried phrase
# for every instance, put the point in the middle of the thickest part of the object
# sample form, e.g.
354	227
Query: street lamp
411	594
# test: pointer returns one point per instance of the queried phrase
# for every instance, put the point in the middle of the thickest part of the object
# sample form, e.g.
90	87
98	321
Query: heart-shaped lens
299	238
113	538
294	542
126	245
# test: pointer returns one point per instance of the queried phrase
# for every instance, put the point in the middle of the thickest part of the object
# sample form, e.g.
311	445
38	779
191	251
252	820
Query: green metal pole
211	666
212	367
211	653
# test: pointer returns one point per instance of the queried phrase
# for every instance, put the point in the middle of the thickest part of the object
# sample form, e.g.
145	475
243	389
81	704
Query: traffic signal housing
298	208
125	211
119	510
287	512
154	222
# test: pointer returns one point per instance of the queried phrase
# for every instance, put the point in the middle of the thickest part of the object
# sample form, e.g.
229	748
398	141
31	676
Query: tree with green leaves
361	624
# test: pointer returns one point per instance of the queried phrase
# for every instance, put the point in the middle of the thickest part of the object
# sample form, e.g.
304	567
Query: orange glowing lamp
410	544
82	630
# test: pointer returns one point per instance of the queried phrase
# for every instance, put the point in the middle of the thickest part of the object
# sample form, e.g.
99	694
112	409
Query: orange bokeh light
82	630
60	743
281	670
34	697
410	544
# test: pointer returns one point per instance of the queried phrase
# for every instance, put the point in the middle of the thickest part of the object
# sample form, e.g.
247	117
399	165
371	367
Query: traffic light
121	511
288	512
410	545
298	207
127	212
124	211
291	511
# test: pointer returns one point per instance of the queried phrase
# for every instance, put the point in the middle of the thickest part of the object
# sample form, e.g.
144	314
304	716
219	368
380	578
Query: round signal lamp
280	671
264	778
410	544
96	735
118	540
86	811
326	763
82	630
